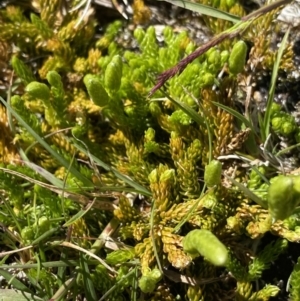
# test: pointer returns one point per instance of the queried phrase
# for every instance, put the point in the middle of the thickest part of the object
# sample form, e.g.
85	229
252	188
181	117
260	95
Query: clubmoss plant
106	191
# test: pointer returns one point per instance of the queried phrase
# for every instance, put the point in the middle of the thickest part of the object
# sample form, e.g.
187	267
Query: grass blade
79	215
12	280
51	264
187	109
204	10
88	284
90	253
139	188
46	175
252	196
267	118
53	153
64	289
236	114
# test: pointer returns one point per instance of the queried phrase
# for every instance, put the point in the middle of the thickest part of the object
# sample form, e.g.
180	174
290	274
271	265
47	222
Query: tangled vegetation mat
149	151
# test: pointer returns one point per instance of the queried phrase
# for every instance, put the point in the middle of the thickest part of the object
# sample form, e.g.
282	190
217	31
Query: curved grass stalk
230	33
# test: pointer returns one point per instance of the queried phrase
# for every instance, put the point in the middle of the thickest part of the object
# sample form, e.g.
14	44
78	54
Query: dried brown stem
266	9
166	75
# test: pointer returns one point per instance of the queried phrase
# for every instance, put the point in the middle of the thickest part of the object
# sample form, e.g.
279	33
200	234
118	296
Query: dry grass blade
3	254
162	78
78	198
70	245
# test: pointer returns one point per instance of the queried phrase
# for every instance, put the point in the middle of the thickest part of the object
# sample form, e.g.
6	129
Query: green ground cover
152	170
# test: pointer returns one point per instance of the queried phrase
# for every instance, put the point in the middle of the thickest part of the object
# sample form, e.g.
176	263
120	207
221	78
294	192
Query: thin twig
266	9
162	78
228	34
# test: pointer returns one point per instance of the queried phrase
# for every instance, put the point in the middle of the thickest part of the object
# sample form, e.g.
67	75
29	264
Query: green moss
88	101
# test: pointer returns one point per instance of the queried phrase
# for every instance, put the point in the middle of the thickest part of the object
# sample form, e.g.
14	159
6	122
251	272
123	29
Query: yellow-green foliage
100	92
